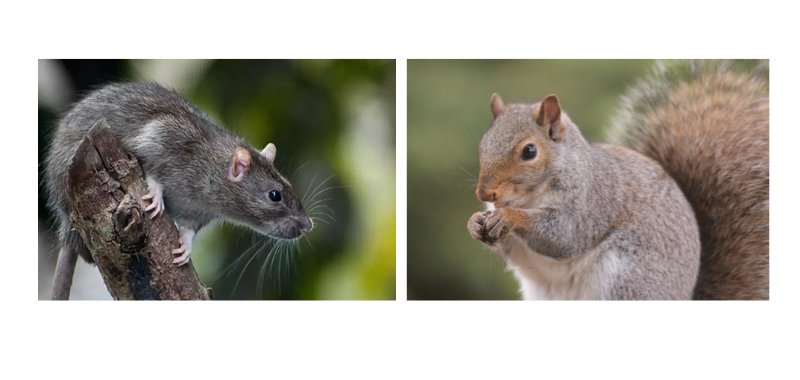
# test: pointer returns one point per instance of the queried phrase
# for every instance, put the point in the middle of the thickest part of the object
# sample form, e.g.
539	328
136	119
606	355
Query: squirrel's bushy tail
707	123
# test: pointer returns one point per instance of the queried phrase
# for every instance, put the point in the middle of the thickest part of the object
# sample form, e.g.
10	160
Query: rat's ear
549	115
240	164
497	106
269	152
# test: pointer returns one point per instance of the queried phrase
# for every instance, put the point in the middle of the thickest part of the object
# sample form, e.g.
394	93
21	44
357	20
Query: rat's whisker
320	207
309	187
280	261
271	255
254	256
296	250
309	243
235	262
267	266
260	281
324	216
298	169
320	184
328	188
244	270
287	166
318	201
322	213
284	258
300	253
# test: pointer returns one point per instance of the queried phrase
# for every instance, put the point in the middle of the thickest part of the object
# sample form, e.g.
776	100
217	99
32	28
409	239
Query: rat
195	169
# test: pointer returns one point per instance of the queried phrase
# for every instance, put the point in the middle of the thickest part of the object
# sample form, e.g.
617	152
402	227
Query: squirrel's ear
240	164
549	115
269	152
497	106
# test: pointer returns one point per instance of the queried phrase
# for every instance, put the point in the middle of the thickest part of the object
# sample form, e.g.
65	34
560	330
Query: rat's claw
156	206
182	254
156	198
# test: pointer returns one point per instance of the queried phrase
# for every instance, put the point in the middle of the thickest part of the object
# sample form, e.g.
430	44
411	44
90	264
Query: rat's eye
529	152
274	195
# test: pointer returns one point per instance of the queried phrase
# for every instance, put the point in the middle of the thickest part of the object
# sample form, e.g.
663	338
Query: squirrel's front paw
475	225
497	226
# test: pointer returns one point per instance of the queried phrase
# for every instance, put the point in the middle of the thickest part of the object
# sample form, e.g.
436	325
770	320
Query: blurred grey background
448	112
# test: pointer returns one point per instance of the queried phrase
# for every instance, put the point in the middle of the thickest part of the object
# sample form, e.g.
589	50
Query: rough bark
133	252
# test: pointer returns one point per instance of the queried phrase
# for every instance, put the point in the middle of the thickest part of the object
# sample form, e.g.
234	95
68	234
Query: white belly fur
589	277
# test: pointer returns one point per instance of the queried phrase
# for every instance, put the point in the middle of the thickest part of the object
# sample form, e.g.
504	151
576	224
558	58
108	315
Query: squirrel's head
517	153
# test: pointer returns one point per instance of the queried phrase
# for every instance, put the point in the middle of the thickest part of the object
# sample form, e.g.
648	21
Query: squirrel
195	169
678	210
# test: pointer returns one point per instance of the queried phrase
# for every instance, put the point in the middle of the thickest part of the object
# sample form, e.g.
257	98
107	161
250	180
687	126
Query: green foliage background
330	119
448	112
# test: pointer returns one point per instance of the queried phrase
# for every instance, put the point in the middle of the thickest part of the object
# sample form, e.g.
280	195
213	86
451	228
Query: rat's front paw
182	255
156	198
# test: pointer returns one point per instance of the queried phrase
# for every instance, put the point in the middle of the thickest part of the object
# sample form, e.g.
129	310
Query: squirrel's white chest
590	277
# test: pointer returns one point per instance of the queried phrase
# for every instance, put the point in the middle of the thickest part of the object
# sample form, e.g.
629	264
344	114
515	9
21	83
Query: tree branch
133	252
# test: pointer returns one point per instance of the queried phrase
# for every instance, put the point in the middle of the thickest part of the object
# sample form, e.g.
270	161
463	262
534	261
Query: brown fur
708	126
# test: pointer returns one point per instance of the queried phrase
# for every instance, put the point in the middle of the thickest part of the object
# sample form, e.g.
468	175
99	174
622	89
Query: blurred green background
329	119
448	113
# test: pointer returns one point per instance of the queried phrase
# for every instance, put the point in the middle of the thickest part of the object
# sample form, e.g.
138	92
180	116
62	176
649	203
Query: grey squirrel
681	212
195	169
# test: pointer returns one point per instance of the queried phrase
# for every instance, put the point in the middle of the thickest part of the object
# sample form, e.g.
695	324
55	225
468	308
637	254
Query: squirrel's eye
274	195
529	152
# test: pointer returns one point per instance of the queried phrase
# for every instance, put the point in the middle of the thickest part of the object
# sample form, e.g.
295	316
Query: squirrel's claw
497	227
476	225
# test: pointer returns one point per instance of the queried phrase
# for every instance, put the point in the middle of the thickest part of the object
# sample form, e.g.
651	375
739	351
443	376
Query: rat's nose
486	195
306	226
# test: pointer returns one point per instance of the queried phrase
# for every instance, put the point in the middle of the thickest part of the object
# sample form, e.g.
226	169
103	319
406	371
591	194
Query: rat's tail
707	123
72	246
65	268
58	160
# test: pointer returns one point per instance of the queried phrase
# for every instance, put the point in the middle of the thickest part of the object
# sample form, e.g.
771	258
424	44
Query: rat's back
128	108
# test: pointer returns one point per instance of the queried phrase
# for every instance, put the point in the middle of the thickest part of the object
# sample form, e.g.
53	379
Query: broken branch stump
133	252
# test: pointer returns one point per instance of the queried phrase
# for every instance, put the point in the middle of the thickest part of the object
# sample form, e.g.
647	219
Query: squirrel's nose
486	196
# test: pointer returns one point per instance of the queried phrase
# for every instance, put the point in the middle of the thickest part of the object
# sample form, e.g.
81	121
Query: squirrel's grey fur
597	221
585	226
179	147
707	124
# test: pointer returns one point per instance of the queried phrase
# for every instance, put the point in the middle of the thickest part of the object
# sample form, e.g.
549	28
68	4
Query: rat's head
518	151
262	198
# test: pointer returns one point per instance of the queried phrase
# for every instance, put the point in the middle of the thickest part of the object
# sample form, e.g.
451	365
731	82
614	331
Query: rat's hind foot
156	198
184	253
